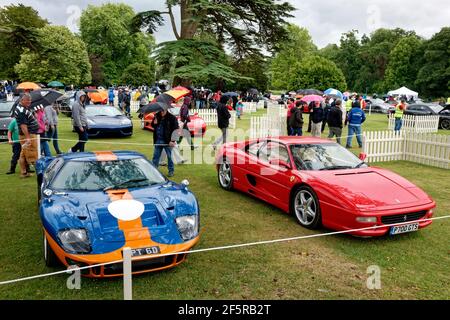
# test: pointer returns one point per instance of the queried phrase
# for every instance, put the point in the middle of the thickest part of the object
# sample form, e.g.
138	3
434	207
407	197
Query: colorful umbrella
55	84
178	93
312	97
334	93
28	86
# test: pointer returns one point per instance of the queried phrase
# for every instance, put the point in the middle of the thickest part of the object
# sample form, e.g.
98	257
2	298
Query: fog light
367	219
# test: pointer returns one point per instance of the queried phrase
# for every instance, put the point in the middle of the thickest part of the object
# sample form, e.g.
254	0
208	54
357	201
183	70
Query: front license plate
404	228
144	251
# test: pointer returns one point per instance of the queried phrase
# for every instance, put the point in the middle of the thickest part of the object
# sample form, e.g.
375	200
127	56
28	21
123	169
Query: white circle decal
126	210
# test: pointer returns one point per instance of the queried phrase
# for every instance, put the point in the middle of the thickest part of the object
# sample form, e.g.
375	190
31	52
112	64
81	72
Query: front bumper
151	264
120	131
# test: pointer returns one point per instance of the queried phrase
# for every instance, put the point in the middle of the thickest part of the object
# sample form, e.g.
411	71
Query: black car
431	110
378	106
5	118
107	120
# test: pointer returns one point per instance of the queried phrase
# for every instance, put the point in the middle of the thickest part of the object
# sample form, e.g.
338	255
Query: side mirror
362	156
280	163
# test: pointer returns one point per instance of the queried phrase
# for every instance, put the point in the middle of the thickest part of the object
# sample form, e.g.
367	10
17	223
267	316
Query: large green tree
111	42
348	57
296	47
255	67
62	56
18	31
316	72
404	64
433	79
137	74
242	27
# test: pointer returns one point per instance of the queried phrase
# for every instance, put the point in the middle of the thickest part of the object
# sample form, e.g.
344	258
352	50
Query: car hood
109	121
374	189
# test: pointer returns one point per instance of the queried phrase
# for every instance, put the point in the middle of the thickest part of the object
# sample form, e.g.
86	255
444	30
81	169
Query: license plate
2	137
144	251
404	228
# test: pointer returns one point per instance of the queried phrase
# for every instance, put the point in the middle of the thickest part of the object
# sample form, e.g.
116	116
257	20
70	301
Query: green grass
413	266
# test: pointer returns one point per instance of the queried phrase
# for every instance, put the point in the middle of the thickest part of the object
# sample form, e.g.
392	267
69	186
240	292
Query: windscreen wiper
124	184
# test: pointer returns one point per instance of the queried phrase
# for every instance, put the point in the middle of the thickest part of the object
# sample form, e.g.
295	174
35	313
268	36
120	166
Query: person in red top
290	107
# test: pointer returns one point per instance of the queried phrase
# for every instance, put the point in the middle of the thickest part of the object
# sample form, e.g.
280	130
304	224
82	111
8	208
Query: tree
18	30
255	67
111	43
296	47
241	26
330	52
404	64
433	79
348	57
137	74
62	56
316	72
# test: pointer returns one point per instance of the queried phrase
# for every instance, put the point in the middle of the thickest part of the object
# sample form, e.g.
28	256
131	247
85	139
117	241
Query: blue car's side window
52	169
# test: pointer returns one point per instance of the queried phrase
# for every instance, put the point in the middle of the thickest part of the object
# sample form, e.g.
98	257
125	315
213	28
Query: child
239	109
13	139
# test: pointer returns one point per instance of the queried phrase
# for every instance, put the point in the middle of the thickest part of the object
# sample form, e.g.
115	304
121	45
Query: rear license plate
144	251
404	228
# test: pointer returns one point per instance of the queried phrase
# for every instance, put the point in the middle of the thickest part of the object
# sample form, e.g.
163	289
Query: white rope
221	248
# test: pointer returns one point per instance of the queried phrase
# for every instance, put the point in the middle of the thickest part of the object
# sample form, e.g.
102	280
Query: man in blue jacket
355	118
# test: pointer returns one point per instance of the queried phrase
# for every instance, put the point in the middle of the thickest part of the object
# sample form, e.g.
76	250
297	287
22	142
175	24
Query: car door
273	181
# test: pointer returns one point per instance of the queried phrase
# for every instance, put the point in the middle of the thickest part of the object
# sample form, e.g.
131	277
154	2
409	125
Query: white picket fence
250	107
424	148
134	106
210	116
411	123
271	125
9	97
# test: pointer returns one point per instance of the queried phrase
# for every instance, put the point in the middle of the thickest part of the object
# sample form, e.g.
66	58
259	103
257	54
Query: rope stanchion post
127	277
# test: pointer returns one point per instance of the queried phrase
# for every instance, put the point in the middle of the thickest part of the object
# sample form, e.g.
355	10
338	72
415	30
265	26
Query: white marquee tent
403	91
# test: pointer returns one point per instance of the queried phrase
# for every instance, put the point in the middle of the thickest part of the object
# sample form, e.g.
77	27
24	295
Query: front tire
225	175
445	124
306	208
51	260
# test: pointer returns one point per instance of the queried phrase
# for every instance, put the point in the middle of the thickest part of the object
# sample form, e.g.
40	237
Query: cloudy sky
326	20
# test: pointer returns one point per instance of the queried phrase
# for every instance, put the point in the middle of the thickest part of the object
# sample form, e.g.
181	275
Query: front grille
142	265
400	218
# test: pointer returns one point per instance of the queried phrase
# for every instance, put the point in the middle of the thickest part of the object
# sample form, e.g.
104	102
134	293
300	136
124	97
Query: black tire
51	260
225	175
309	202
39	184
445	124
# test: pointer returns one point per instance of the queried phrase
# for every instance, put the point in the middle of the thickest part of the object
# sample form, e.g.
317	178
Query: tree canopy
61	56
137	74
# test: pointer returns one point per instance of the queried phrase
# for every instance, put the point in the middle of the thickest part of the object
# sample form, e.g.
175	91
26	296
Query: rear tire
51	260
445	124
306	208
225	175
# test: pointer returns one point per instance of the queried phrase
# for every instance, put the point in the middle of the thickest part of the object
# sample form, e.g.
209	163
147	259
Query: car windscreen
96	175
436	108
326	156
5	107
102	112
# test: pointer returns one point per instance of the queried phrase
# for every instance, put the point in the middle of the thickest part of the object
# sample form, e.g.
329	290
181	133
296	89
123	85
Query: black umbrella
165	99
154	107
231	94
40	99
90	90
307	92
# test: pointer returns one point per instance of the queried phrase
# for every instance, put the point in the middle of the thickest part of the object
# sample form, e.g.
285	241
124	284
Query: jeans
53	135
296	132
82	139
351	131
16	149
45	148
157	157
398	124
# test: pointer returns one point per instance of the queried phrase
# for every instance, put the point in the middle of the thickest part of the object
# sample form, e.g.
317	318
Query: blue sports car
92	205
107	120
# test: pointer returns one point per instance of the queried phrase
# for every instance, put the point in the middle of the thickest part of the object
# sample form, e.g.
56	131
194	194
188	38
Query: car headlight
125	122
75	240
188	226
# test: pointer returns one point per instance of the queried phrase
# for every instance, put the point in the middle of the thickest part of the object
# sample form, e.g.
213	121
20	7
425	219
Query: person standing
223	120
185	119
399	110
326	109
43	128
356	118
290	108
111	96
28	129
51	114
164	126
334	119
79	122
127	103
296	120
13	140
239	109
317	116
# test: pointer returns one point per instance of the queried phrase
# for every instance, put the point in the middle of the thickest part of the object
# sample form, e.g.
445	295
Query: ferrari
323	184
92	205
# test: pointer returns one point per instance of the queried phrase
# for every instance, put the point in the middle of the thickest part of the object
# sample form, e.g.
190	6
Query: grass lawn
413	266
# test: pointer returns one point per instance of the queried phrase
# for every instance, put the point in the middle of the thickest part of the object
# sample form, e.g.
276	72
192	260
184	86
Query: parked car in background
65	103
5	118
107	120
431	110
378	106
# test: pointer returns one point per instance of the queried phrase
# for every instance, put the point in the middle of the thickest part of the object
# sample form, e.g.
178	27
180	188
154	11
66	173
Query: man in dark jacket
223	120
165	127
334	120
326	110
317	116
296	120
185	119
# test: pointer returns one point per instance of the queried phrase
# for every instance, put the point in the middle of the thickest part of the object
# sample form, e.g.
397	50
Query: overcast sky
326	20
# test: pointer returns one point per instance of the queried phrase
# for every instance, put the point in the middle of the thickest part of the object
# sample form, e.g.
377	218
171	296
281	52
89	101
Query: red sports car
197	126
323	184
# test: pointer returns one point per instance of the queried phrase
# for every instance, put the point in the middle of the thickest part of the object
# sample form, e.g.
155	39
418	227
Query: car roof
92	156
